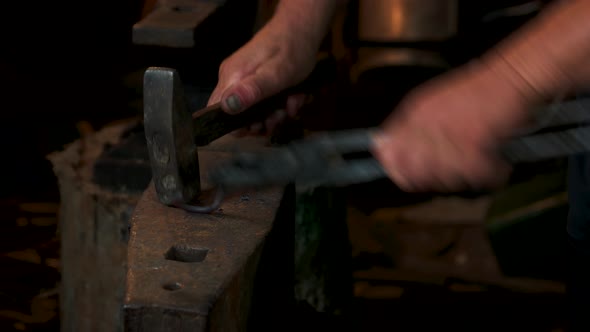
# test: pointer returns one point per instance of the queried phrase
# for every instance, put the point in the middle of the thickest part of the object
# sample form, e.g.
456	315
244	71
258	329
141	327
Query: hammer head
169	133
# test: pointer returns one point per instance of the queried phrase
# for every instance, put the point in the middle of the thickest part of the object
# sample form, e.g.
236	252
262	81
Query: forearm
550	55
309	19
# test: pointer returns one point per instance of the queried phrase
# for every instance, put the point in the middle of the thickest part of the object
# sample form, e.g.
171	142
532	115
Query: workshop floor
29	265
387	299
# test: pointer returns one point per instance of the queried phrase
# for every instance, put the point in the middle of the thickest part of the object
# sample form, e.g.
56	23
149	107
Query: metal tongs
342	158
327	159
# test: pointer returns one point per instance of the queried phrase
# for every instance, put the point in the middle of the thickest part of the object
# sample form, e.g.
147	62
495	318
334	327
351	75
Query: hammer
173	132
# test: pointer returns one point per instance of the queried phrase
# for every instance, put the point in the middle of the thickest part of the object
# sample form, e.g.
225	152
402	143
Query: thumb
251	90
390	154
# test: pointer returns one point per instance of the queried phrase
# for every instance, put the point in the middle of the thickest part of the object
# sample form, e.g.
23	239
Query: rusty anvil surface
196	272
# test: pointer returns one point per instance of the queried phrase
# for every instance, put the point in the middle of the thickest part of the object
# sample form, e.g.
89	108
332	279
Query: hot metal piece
211	207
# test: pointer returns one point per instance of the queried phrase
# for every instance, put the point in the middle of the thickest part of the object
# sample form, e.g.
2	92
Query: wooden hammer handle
212	122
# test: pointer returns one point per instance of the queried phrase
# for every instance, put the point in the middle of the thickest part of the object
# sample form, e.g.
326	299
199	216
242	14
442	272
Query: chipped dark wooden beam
174	23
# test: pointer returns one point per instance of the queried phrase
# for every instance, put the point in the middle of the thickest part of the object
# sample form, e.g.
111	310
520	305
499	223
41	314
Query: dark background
67	66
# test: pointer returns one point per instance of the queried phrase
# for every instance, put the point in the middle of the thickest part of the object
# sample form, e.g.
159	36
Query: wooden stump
94	233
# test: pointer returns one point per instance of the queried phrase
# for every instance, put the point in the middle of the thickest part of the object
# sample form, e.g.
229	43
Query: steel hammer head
169	133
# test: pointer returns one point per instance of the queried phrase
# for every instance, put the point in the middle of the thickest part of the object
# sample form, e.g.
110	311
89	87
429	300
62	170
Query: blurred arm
550	55
308	18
